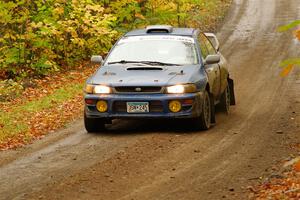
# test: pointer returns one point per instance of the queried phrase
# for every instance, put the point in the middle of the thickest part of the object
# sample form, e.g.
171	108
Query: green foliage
43	36
38	37
9	89
291	61
289	26
288	64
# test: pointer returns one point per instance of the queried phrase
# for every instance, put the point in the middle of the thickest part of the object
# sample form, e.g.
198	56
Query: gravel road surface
161	159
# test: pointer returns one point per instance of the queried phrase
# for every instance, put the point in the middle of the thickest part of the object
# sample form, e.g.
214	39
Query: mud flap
232	96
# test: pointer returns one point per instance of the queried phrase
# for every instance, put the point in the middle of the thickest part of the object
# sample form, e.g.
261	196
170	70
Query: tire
203	122
93	125
225	100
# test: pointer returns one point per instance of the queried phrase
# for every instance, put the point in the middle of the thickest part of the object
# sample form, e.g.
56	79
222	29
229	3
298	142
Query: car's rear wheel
93	125
203	122
225	100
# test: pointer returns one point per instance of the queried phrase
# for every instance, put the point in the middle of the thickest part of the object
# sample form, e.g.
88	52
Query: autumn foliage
289	64
38	37
41	36
297	34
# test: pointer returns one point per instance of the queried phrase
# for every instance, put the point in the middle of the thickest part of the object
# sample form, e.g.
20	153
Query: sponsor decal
157	38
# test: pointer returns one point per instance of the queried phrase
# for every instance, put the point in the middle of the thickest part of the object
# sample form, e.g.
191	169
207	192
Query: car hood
136	75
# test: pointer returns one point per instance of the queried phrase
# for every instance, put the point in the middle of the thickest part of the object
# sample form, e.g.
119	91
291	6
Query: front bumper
159	105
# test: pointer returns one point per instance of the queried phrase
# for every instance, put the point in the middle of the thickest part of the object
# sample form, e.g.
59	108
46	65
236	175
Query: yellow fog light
174	106
102	106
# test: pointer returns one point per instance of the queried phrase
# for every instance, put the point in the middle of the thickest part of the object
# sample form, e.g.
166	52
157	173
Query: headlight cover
180	89
97	89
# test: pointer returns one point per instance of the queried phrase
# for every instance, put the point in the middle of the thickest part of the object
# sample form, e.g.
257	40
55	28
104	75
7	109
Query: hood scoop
177	73
144	69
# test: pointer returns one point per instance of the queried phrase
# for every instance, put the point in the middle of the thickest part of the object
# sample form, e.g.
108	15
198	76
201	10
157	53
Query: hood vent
145	68
109	73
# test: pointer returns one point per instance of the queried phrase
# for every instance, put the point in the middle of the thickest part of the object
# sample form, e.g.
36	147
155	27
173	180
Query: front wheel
203	122
93	125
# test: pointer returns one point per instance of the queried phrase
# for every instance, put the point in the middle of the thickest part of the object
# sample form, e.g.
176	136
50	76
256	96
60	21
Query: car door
224	74
213	70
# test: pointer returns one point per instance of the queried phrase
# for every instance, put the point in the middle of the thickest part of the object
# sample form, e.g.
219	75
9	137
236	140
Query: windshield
175	50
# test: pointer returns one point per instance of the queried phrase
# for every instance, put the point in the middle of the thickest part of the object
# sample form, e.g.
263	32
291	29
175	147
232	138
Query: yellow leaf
138	15
297	34
286	70
59	10
297	166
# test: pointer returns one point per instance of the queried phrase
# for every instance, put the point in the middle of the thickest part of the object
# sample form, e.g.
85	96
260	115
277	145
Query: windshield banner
156	37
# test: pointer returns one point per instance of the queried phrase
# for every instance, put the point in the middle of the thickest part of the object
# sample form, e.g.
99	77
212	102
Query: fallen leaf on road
297	166
286	70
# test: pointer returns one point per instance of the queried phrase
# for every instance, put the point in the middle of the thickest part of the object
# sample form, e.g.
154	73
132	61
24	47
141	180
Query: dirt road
161	160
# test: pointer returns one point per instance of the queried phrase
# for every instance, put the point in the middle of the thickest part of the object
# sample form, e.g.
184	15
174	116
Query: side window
204	50
210	47
204	41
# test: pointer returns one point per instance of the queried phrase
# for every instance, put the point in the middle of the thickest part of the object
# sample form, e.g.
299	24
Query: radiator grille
138	89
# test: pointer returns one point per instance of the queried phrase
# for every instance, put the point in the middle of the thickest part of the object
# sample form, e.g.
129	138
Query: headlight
180	89
97	89
102	89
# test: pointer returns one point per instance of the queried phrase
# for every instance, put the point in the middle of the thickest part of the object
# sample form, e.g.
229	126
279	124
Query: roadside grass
53	101
15	121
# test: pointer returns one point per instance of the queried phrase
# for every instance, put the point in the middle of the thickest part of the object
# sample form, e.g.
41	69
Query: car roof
163	30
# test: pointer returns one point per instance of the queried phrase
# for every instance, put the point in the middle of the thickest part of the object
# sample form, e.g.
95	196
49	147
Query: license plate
137	107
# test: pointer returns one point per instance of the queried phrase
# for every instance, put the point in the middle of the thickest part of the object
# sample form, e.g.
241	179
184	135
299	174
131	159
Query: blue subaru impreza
159	72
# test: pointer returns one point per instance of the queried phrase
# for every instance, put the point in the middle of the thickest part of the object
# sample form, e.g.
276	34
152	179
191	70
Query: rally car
159	72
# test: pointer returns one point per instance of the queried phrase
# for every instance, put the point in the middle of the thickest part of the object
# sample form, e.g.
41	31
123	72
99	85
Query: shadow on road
147	126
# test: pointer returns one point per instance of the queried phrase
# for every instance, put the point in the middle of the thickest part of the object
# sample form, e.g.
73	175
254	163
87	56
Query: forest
39	37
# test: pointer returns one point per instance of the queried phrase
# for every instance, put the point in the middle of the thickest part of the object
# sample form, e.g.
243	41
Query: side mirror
212	59
97	59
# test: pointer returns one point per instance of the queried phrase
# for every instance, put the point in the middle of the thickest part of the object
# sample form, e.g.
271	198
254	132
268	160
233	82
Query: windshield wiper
123	62
144	62
159	63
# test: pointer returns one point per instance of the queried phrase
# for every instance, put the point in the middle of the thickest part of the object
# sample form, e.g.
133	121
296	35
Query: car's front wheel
203	122
93	125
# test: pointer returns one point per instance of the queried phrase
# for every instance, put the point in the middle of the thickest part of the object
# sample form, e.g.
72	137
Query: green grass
14	121
289	26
